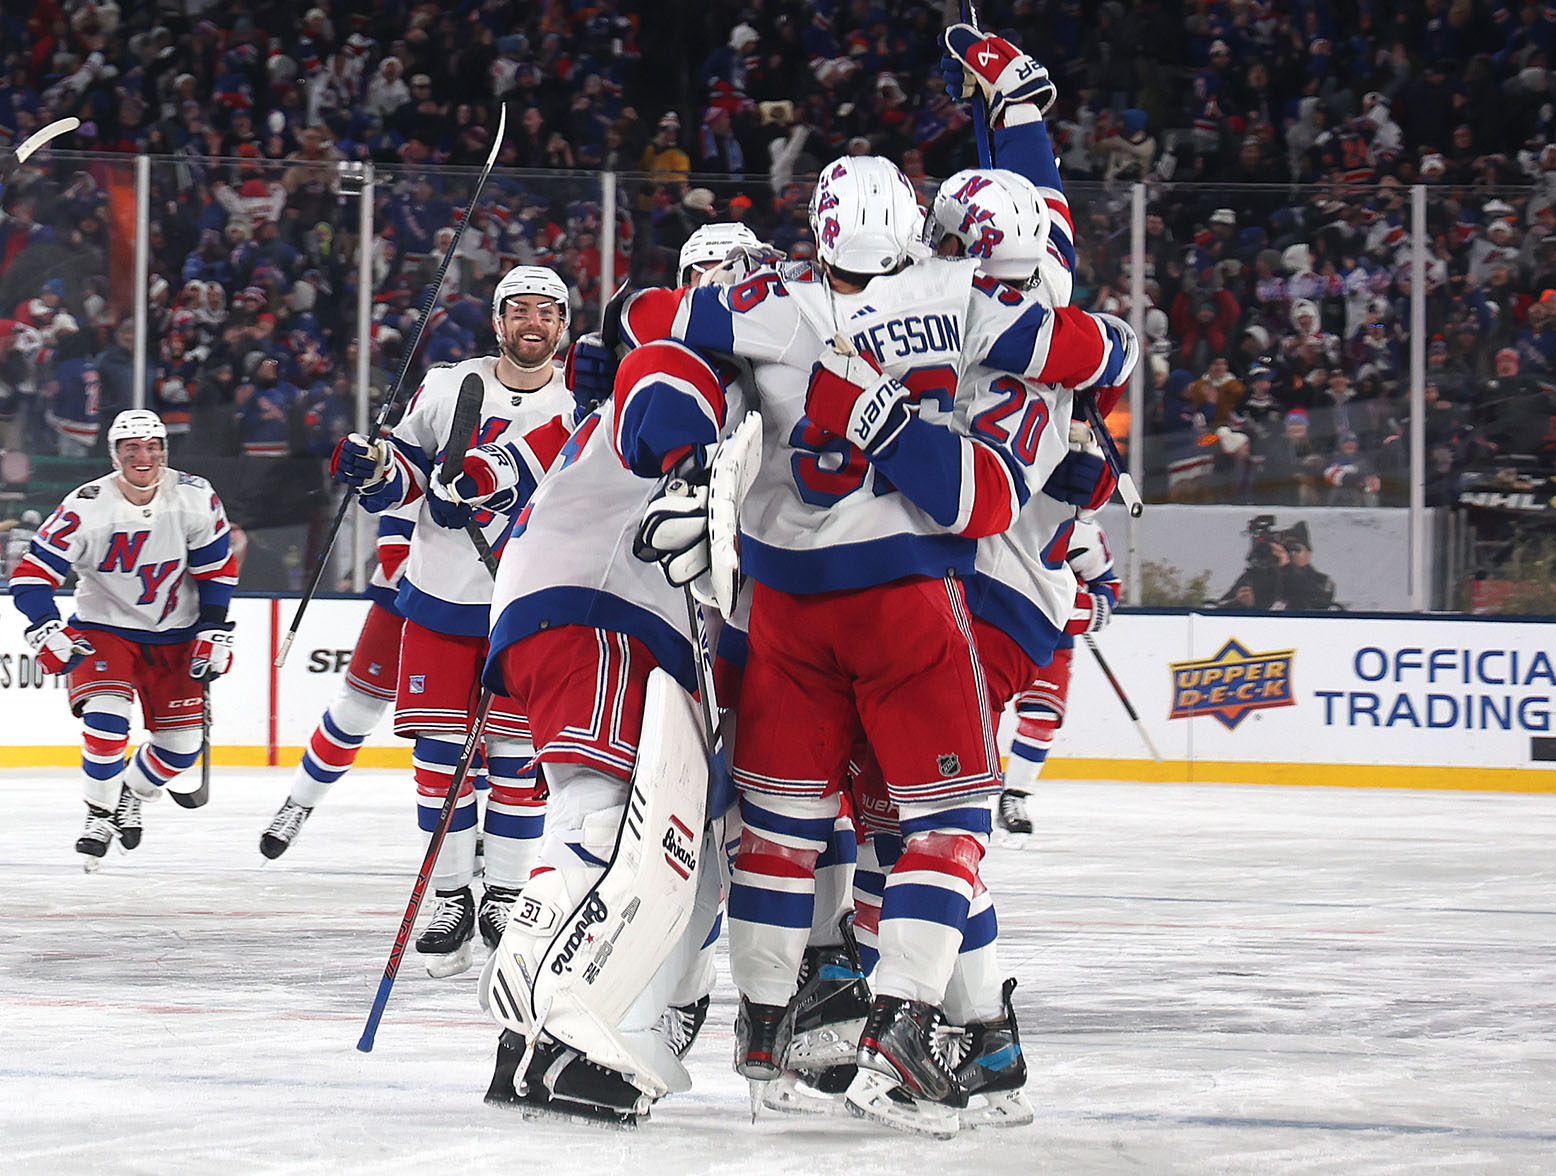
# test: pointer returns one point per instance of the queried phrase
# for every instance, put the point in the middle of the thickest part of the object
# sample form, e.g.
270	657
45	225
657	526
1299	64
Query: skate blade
558	1111
869	1097
1001	1108
440	967
824	1047
91	865
787	1095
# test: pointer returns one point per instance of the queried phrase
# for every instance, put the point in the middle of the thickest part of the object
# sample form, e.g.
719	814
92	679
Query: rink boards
1341	699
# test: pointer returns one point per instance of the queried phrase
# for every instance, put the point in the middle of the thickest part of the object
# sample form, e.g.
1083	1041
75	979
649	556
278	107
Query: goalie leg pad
596	962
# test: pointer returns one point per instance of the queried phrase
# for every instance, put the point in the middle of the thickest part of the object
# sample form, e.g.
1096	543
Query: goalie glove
1007	76
740	263
849	396
359	463
212	653
59	647
674	531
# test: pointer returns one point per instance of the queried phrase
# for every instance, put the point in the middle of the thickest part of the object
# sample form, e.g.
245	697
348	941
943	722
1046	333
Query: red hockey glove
850	397
59	647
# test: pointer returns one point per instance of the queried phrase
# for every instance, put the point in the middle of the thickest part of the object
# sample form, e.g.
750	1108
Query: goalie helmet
534	280
711	245
999	217
865	215
134	424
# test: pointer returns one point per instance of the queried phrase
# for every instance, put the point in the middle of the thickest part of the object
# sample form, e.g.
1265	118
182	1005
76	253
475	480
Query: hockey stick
467	418
391	398
34	143
424	875
1085	401
1122	697
205	743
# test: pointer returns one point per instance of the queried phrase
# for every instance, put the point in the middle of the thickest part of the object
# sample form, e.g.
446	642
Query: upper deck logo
1231	683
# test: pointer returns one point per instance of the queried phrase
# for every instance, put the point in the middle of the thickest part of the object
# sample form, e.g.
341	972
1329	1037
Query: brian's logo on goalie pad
678	845
594	911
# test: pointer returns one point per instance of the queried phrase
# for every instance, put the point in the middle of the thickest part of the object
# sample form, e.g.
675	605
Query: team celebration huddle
702	623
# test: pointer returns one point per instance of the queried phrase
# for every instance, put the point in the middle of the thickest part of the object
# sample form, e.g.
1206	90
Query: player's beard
529	354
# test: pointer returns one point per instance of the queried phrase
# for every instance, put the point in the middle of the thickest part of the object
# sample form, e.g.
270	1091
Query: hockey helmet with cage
134	424
535	280
999	217
711	244
865	215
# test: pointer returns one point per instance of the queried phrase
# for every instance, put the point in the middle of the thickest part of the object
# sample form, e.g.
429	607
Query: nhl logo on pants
949	764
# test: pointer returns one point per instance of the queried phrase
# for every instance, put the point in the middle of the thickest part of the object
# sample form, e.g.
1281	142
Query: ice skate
283	829
93	843
446	941
762	1034
993	1071
905	1079
830	1009
496	906
680	1024
1013	816
561	1082
126	818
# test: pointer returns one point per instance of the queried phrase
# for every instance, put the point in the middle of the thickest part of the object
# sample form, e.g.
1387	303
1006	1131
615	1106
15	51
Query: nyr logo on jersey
1232	683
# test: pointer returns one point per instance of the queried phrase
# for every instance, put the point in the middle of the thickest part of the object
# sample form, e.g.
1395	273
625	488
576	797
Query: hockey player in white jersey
150	548
446	592
367	691
866	508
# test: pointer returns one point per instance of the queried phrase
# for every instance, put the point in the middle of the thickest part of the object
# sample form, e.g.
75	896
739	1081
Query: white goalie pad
729	481
601	952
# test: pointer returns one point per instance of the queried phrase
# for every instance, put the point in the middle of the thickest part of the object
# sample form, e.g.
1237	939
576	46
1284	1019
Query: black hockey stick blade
467	418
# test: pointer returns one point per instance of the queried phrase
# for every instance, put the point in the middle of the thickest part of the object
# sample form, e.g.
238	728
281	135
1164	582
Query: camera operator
1280	573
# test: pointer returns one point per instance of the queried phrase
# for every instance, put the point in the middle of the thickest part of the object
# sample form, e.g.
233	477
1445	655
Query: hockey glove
590	373
1121	352
850	397
212	653
1083	476
59	647
360	463
1093	611
1006	75
674	531
740	263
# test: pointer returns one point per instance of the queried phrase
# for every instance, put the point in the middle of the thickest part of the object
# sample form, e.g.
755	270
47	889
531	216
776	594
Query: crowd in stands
1277	316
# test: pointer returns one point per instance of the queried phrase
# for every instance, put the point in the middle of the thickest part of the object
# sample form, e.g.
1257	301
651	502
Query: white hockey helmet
865	215
536	280
134	424
999	217
712	243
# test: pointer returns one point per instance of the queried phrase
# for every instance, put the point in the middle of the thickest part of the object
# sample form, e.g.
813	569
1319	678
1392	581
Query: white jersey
569	560
446	587
1022	584
142	571
819	516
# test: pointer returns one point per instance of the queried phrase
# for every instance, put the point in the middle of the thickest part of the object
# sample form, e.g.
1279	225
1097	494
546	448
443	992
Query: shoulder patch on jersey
444	364
88	492
192	480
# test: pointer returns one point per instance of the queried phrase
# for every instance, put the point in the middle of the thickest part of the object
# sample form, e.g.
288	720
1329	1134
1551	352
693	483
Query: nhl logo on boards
949	764
417	684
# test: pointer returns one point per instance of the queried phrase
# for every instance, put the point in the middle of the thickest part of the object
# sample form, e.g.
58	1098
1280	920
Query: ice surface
1213	979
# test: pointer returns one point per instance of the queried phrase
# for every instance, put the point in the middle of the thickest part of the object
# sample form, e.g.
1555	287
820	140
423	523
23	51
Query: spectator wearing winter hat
1128	149
1293	465
1353	479
1536	343
663	159
718	150
263	405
